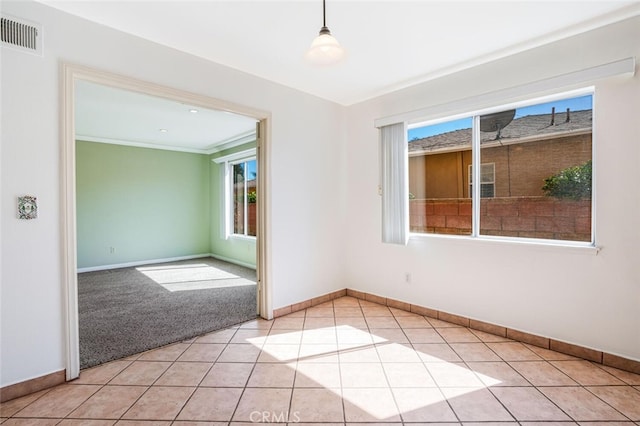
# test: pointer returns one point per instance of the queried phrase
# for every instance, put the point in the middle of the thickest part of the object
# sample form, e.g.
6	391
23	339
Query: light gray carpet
129	310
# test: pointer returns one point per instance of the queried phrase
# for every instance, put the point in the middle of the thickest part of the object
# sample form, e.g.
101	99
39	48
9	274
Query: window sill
578	247
242	237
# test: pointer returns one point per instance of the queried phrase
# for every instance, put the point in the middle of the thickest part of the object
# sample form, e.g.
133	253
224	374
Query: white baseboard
146	262
234	261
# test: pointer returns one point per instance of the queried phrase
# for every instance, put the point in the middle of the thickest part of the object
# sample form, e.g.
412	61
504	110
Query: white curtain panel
394	163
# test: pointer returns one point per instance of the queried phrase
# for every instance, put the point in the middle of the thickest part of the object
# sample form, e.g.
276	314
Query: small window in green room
243	188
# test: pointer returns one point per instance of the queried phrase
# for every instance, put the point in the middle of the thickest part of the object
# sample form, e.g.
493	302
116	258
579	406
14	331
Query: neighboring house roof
528	127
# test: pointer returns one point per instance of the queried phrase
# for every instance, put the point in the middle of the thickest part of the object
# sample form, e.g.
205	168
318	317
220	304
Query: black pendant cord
324	14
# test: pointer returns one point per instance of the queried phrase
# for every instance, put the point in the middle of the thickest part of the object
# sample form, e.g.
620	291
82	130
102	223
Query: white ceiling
108	115
390	44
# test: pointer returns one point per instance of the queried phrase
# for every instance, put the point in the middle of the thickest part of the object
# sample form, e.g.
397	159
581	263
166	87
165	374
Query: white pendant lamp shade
325	49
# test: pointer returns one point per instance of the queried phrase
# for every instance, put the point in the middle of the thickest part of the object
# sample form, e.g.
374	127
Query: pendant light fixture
325	49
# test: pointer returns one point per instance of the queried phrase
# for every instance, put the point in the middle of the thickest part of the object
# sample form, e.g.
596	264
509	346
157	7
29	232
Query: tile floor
345	361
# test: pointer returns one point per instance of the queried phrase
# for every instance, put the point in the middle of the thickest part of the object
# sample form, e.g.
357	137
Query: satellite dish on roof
497	121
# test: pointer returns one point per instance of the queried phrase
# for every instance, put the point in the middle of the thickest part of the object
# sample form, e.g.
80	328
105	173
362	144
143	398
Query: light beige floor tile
101	374
458	335
353	322
581	405
222	336
473	351
315	375
282	337
142	423
627	377
271	375
228	375
351	311
436	352
376	311
86	422
58	402
440	324
313	323
408	375
541	373
513	351
188	423
141	373
586	373
279	353
363	376
381	322
548	354
316	405
488	337
476	405
456	375
324	353
370	405
239	353
394	335
257	323
423	405
110	402
31	422
528	404
160	403
319	336
346	301
288	323
184	374
250	336
202	352
497	374
364	354
396	352
413	321
625	399
319	312
9	408
166	353
547	424
211	404
273	401
353	336
423	335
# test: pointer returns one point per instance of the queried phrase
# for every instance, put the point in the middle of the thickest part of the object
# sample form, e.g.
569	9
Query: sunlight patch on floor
329	343
194	276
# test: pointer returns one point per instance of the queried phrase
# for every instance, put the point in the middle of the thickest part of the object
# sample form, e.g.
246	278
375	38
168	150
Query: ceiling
109	115
390	44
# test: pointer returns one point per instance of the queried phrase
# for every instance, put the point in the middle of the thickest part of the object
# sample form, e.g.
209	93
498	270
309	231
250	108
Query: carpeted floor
130	310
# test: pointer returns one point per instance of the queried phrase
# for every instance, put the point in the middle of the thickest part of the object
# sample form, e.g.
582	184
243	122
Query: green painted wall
145	203
240	249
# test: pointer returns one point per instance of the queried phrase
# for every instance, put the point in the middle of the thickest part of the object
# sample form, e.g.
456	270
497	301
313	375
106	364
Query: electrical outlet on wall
407	277
112	250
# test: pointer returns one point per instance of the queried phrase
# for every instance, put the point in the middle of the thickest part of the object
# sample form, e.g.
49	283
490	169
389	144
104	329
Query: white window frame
492	182
229	213
227	190
476	150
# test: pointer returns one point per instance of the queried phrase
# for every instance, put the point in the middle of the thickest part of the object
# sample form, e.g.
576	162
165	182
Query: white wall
307	136
568	294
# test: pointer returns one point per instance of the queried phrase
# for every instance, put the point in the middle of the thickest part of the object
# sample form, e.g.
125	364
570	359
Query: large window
243	188
535	165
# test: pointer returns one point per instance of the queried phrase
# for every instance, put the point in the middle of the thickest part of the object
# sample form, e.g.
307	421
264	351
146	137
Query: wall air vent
21	34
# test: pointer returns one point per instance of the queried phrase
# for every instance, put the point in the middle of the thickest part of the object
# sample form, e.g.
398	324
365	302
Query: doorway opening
198	187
